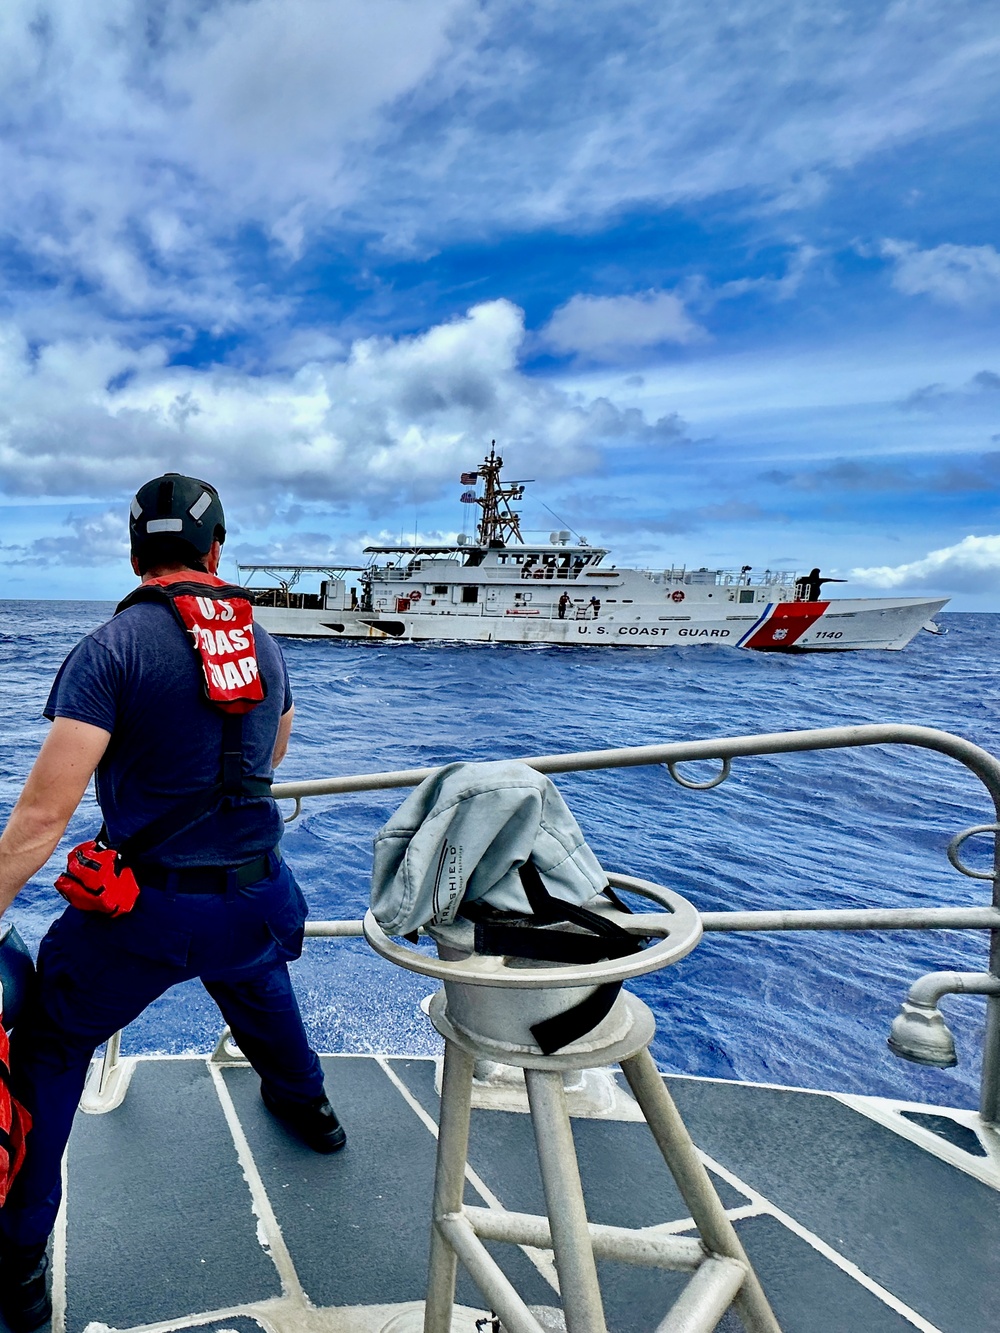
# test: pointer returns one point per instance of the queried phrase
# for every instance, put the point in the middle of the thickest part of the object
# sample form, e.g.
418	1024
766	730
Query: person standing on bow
182	707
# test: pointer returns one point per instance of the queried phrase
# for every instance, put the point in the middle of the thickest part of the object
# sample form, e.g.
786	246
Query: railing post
989	1087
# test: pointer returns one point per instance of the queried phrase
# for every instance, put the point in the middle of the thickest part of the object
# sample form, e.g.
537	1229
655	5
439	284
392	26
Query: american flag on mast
469	478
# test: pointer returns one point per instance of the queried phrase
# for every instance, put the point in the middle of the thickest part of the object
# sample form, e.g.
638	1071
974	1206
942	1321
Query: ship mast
499	523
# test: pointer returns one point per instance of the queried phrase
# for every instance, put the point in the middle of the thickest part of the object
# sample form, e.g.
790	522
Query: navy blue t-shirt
139	678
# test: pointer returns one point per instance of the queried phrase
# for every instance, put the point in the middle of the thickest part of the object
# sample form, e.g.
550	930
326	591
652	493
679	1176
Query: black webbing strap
547	908
180	817
231	781
520	939
5	1143
154	592
231	774
552	1034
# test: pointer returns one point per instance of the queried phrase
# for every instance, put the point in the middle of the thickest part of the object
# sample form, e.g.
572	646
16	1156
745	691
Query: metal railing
726	749
979	761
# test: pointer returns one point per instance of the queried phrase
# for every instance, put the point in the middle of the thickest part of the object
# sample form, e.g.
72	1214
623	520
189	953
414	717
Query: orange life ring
677	596
415	595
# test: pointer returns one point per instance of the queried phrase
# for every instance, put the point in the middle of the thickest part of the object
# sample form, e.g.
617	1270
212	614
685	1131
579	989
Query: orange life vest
219	618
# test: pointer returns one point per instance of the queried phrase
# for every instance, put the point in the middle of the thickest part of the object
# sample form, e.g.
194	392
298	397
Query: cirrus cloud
140	144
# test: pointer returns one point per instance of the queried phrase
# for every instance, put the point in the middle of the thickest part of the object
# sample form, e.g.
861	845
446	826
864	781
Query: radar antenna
499	523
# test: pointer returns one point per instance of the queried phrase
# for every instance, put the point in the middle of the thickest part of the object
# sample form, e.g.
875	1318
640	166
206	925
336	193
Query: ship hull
837	626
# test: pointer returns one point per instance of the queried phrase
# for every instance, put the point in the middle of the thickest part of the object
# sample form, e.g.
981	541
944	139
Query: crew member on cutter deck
183	784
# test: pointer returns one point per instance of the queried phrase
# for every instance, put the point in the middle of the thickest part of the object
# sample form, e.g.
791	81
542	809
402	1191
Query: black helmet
16	968
177	506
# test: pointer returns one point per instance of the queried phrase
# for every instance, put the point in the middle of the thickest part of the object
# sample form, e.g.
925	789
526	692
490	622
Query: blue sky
723	278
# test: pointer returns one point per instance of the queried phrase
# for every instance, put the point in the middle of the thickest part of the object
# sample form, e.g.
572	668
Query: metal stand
485	1013
107	1079
721	1273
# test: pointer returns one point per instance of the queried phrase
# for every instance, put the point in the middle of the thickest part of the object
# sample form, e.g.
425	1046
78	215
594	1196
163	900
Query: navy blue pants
97	973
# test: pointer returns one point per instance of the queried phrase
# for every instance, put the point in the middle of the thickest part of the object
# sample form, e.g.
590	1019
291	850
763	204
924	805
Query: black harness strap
231	782
153	592
231	776
520	939
180	817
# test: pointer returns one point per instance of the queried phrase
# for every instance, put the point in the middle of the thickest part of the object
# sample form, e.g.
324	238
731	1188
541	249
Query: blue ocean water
837	829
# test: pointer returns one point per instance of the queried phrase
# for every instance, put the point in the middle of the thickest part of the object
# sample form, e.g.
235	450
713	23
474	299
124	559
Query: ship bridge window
470	594
440	589
746	594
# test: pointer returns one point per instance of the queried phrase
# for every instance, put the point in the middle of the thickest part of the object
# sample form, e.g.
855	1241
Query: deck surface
188	1206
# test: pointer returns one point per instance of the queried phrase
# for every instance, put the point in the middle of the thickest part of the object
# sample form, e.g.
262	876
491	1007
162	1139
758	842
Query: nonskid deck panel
189	1207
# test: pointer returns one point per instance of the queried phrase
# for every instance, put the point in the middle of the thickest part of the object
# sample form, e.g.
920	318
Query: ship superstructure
496	587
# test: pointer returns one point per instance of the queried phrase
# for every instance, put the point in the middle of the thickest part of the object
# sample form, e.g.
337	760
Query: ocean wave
849	828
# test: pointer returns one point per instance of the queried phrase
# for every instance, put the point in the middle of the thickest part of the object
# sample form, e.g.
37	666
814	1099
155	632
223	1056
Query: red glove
96	881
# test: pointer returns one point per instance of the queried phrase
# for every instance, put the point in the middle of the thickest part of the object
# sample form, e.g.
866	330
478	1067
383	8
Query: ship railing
921	1033
721	578
541	572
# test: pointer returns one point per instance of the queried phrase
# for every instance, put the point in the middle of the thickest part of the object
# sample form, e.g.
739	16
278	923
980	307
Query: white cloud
569	111
388	419
93	539
318	548
954	274
611	326
140	142
137	140
273	91
777	289
972	565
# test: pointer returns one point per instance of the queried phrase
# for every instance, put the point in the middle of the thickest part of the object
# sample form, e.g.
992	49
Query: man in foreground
182	707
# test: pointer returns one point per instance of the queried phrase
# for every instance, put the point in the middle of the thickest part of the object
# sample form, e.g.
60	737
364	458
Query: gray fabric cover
463	833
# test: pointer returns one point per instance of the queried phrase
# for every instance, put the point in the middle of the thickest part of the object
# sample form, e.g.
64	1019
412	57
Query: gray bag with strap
462	835
497	844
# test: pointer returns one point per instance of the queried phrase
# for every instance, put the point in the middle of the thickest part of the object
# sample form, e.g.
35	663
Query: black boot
24	1299
314	1123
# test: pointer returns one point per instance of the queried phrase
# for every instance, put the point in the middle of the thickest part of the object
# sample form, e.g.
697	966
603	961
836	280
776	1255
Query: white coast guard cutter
497	588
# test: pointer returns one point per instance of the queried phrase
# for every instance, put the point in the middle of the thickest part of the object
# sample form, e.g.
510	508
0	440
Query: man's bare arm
55	786
281	741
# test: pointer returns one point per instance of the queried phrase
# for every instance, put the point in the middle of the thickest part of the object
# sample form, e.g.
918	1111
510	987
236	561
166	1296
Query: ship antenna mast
499	523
